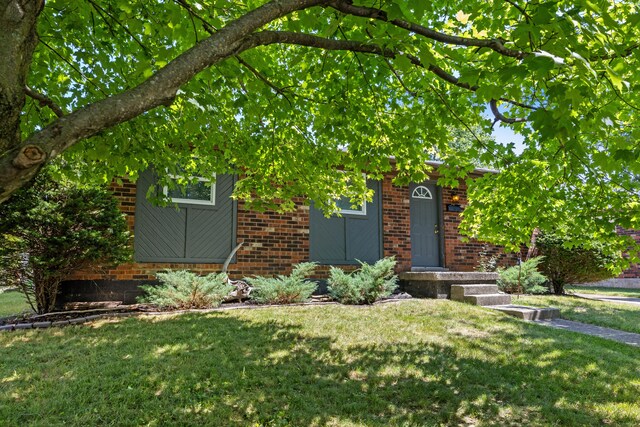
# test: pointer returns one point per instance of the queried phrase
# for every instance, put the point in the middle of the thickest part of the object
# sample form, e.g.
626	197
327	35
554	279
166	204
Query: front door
425	238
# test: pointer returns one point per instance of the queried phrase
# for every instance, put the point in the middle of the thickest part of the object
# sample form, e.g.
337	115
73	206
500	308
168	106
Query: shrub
284	289
184	289
54	228
487	262
523	278
576	265
366	285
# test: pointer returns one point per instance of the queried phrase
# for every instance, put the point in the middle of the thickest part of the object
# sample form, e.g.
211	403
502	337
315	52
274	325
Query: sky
505	135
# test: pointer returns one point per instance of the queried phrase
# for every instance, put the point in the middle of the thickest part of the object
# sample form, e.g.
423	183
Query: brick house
418	224
632	274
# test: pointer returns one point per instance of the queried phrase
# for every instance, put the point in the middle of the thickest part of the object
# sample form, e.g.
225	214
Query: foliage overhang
285	91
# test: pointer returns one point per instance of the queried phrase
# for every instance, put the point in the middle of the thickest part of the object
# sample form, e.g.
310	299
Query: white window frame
363	209
212	196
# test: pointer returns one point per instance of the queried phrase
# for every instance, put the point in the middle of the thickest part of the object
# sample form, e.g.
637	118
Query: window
200	192
344	204
422	192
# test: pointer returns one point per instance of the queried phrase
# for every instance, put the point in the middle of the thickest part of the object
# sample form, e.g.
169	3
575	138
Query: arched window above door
421	192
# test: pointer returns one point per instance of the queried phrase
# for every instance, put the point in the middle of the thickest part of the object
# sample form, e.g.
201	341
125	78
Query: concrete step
458	292
488	299
529	313
437	284
427	269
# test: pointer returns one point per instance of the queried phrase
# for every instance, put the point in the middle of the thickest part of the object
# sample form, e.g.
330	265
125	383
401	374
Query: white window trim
212	196
363	210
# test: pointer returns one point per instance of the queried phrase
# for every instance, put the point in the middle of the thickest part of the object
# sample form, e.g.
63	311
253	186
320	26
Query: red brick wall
632	272
458	254
273	242
395	224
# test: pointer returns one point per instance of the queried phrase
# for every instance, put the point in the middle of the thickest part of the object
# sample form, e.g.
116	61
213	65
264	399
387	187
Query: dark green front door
425	238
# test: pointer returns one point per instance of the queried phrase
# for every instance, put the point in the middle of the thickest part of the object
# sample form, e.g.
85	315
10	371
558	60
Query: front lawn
413	363
602	290
12	302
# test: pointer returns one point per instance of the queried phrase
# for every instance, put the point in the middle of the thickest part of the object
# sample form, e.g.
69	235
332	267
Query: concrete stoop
476	288
488	295
529	313
438	284
485	295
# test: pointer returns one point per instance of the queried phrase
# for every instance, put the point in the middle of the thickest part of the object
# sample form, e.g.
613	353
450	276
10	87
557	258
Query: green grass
11	303
625	317
414	363
600	290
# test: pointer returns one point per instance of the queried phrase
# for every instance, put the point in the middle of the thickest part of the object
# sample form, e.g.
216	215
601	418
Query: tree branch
496	45
284	37
101	10
73	67
399	78
44	100
521	9
263	78
23	161
499	116
212	29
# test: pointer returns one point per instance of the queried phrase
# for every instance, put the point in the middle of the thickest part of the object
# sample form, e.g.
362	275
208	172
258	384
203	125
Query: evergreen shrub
366	285
183	289
523	278
51	229
284	289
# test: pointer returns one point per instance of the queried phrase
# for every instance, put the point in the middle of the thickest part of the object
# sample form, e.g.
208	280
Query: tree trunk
46	293
18	40
558	287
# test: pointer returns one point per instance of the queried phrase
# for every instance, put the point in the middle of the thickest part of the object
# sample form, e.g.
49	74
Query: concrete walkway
598	331
610	298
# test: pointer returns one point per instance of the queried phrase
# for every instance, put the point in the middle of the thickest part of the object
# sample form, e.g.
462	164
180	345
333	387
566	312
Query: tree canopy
286	91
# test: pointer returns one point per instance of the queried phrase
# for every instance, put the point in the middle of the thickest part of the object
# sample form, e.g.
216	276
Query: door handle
435	229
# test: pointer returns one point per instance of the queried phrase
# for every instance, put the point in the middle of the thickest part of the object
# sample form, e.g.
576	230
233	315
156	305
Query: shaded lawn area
12	302
601	290
420	362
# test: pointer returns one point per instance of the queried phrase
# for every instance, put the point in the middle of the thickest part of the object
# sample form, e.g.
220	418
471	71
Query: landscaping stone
77	320
401	295
23	326
123	314
6	328
41	324
60	323
87	305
